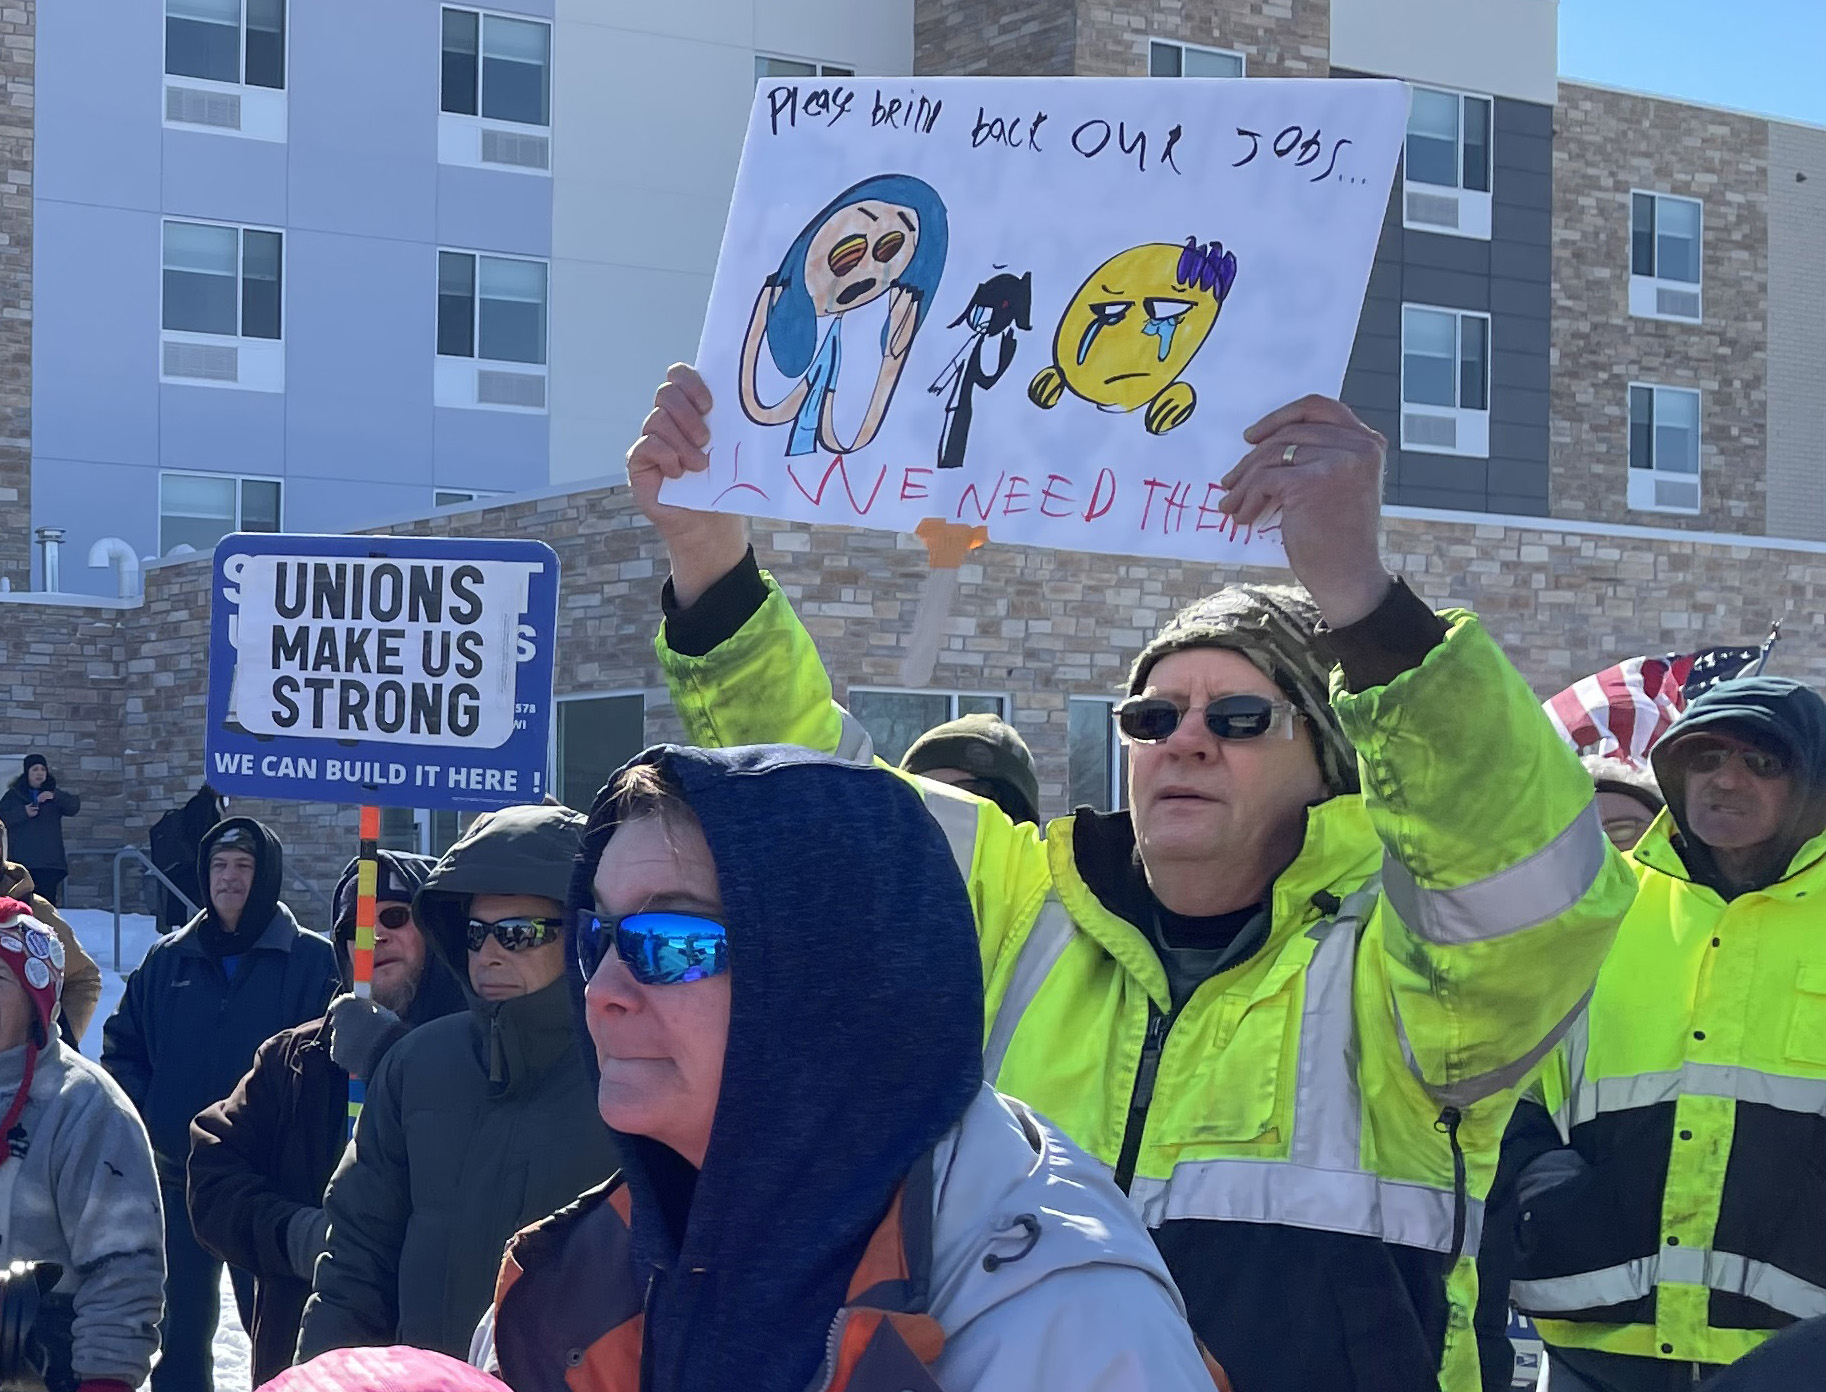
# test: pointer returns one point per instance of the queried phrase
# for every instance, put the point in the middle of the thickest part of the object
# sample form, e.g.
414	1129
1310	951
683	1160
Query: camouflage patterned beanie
1275	627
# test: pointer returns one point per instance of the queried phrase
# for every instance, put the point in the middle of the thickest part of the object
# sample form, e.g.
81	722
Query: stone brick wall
1279	38
18	26
1797	331
1608	143
116	695
1003	38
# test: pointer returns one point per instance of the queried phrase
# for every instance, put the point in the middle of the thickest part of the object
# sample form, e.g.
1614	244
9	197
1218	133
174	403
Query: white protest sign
1045	306
390	650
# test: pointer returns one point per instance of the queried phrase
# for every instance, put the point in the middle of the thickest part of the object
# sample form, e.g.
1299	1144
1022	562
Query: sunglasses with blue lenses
658	948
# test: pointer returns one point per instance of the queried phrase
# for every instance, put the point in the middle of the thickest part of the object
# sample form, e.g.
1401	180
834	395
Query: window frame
240	502
953	694
1640	481
241	229
475	309
1475	207
554	752
1242	59
1476	417
1117	770
483	15
240	82
1645	290
820	69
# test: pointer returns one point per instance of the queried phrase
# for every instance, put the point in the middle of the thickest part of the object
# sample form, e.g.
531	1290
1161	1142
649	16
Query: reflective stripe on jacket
1353	1077
1696	1094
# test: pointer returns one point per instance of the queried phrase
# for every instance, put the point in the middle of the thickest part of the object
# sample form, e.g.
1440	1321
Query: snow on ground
95	930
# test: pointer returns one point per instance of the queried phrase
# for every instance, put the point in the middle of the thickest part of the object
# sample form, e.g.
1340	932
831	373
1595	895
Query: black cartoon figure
884	236
1001	304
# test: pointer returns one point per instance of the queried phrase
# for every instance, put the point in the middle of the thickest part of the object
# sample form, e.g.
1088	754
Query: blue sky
1755	55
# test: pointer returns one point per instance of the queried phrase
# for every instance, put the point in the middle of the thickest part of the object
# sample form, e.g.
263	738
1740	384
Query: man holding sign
1287	996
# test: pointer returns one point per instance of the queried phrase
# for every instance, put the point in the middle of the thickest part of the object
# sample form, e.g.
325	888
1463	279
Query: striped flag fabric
1621	711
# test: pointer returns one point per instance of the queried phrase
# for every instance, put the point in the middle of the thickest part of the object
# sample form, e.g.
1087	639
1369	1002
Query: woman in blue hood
820	1190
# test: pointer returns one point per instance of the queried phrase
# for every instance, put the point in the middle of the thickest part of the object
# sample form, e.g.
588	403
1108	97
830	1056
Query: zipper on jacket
1461	1198
1151	1045
646	1331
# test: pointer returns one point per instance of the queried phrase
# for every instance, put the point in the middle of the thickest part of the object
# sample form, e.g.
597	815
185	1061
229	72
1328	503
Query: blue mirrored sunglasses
658	949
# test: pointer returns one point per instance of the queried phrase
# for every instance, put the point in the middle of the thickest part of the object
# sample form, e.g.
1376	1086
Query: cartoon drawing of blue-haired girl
884	236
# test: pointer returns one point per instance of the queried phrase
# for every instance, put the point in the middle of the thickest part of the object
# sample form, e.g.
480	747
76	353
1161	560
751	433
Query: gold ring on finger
1288	453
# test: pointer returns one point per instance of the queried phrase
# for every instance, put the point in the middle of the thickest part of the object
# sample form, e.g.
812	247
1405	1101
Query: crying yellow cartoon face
1134	327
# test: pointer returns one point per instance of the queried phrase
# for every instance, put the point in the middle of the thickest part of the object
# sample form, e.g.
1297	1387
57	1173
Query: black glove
361	1032
307	1237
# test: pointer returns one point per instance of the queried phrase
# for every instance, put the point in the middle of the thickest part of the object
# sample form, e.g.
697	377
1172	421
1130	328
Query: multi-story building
1595	337
305	266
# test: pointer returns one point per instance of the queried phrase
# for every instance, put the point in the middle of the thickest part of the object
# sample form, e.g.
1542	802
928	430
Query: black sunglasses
515	934
1151	719
1761	762
393	917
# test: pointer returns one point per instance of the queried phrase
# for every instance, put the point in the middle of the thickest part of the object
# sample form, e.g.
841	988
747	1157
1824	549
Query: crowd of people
1374	1013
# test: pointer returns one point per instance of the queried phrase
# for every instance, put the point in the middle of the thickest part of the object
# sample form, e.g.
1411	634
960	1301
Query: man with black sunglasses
1682	1222
261	1158
1289	994
476	1124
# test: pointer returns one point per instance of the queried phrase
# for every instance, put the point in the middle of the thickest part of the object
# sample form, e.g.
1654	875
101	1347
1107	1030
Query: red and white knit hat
35	954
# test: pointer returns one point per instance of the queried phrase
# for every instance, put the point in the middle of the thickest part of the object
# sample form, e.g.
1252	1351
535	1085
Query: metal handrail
145	865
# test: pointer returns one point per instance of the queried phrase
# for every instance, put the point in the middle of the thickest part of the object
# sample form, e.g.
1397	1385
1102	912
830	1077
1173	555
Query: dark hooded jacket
1774	712
37	842
823	1114
190	1020
474	1124
269	1148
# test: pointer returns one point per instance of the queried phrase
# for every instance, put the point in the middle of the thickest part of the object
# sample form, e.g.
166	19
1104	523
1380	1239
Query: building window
491	329
1445	381
894	719
200	509
1166	59
495	92
456	497
222	280
1099	760
1663	449
766	67
592	737
1446	169
497	67
428	831
1664	259
490	307
226	41
222	306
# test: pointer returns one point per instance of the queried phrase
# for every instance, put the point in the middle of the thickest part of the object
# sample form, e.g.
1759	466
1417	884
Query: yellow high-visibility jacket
1696	1090
1311	1137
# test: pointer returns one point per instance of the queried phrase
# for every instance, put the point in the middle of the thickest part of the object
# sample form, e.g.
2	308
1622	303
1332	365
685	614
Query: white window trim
551	752
953	693
460	137
1473	206
236	479
262	109
1640	483
817	64
1472	425
1645	291
1236	53
259	362
455	379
